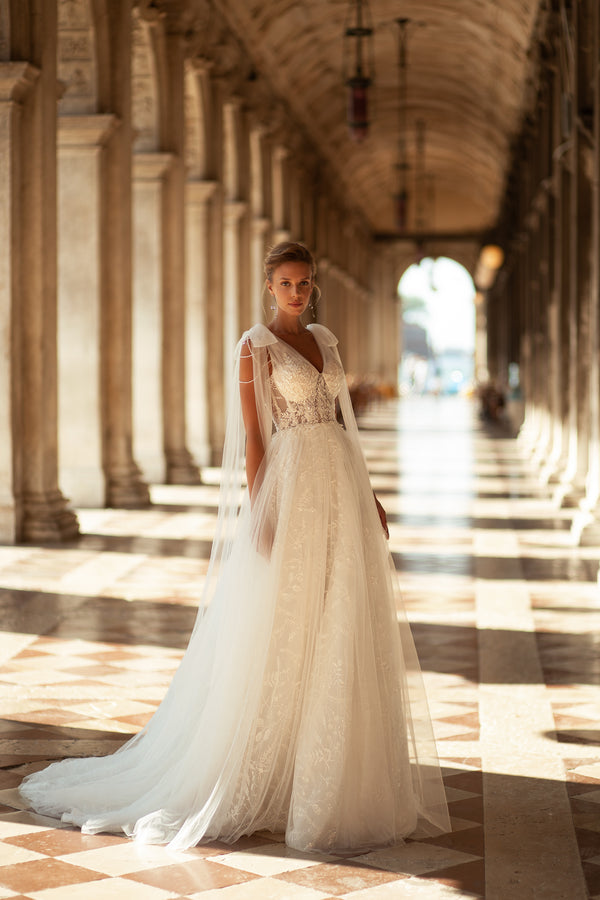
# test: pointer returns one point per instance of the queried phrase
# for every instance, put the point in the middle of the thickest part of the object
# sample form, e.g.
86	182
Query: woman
297	706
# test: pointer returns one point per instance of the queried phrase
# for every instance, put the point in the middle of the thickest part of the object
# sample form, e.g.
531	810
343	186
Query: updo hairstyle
288	251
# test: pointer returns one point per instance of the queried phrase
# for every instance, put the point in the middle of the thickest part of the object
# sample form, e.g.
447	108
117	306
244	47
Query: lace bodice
301	395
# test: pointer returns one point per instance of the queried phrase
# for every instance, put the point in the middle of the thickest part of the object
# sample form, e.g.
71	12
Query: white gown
298	705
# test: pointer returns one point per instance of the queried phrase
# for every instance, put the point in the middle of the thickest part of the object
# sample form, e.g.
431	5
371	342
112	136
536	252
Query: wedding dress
298	706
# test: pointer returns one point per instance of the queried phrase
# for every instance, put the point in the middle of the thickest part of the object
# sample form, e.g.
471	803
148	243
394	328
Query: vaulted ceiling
469	79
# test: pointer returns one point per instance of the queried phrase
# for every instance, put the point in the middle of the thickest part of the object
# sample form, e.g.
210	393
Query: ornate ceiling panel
467	80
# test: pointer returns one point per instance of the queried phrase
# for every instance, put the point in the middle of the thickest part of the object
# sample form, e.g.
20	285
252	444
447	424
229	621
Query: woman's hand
382	516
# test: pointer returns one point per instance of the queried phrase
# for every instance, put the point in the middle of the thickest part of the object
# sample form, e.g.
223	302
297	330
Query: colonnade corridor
505	611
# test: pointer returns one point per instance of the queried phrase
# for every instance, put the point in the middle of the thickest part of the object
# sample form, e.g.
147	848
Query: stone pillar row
127	278
550	293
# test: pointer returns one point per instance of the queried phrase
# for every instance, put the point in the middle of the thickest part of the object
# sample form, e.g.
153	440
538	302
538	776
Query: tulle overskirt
298	705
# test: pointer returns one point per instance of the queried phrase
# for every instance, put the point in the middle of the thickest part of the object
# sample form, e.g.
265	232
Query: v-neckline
301	355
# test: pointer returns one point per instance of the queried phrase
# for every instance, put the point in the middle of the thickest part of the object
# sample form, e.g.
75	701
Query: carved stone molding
199	193
48	517
233	210
260	226
86	131
16	80
151	166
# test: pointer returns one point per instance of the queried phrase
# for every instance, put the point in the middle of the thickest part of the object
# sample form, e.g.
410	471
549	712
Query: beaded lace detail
301	395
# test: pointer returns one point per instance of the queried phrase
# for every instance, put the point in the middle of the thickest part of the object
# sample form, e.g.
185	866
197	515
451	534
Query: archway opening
438	328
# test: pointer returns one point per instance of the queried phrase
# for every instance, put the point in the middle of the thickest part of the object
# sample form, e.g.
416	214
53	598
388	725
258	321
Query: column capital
151	166
233	210
201	65
16	80
260	225
86	131
198	192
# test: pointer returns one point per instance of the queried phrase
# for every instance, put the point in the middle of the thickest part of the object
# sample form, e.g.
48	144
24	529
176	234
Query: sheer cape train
298	705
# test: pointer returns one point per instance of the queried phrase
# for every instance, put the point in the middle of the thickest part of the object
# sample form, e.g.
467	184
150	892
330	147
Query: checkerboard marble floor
505	611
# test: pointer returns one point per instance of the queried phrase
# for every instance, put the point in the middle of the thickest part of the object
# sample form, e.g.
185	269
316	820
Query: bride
298	706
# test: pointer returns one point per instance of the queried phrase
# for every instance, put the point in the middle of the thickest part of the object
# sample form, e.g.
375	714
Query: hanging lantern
401	210
358	67
402	168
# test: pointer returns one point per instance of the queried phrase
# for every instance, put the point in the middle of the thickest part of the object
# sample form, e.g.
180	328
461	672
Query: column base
181	468
216	457
573	496
589	536
126	490
48	518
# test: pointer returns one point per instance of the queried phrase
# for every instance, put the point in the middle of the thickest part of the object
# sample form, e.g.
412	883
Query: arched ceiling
467	80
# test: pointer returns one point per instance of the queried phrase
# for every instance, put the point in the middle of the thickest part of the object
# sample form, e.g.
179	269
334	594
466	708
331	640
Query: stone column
16	81
31	504
233	212
555	373
280	195
323	280
562	253
199	196
579	294
148	426
124	485
259	231
80	147
582	300
181	468
259	192
215	321
590	535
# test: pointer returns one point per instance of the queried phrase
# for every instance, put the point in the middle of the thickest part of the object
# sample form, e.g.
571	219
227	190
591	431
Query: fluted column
31	505
149	171
199	196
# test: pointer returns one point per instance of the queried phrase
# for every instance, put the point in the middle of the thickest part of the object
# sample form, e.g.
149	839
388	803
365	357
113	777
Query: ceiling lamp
358	66
491	258
401	197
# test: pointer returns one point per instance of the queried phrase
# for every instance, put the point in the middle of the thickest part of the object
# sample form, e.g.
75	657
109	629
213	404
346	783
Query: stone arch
77	58
145	93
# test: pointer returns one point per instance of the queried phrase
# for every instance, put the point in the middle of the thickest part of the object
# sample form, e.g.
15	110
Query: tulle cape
177	781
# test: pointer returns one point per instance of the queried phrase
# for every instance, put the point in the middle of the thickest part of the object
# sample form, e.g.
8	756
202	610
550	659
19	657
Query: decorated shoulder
259	336
325	335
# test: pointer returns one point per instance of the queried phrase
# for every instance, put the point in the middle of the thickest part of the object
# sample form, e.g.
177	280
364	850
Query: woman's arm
382	516
255	450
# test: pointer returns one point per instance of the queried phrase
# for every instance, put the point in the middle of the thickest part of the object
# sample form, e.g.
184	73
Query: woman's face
291	285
